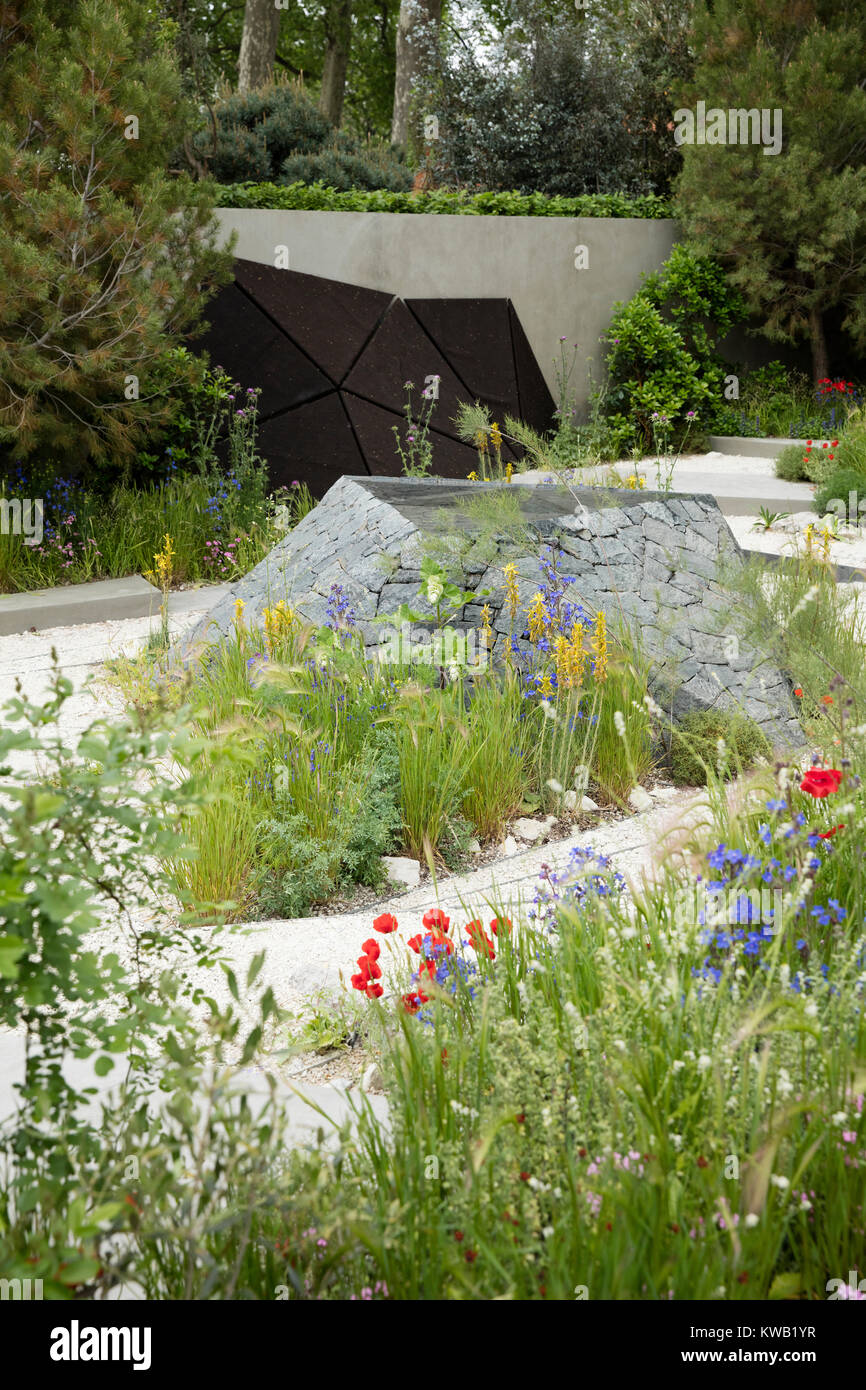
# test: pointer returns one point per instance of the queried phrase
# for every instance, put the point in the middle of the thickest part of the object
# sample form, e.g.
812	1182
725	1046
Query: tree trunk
413	15
339	22
820	362
258	44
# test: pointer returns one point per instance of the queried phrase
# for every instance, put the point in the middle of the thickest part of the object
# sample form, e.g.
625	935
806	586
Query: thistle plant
417	456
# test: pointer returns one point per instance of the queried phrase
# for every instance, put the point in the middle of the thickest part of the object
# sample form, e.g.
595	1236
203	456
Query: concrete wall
529	260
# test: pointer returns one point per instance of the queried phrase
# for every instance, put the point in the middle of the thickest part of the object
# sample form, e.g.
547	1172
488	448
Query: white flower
619	722
780	1181
653	707
555	786
840	1119
704	1061
547	709
752	1220
678	1065
547	1232
811	1009
676	1140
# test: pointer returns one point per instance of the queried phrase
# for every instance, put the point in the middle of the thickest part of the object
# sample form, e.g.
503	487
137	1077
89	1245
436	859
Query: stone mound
649	559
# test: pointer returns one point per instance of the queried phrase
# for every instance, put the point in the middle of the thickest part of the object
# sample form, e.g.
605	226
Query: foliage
837	488
277	133
661	357
317	198
216	513
541	112
105	259
757	212
707	739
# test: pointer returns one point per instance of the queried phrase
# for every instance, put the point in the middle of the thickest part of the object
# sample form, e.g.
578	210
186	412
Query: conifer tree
790	227
104	258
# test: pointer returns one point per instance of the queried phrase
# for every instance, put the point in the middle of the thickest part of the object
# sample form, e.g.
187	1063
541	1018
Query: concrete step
748	447
70	604
104	599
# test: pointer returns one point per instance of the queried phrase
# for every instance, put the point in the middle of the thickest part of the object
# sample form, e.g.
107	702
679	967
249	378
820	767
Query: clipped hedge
316	197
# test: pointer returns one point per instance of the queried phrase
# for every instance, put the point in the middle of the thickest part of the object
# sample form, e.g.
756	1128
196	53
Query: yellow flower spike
546	687
599	646
472	477
576	657
239	612
495	436
509	469
481	441
511	592
486	629
537	618
563	668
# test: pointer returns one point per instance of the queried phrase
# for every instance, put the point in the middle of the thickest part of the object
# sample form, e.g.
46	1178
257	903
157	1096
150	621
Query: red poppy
821	781
524	1177
828	834
385	923
411	1003
414	943
436	918
498	922
826	699
703	1162
371	949
799	692
471	1256
374	991
458	1235
369	969
479	940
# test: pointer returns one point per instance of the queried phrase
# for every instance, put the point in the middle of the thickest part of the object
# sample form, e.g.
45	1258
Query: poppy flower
826	699
371	949
703	1162
414	943
436	918
458	1235
828	834
369	969
374	991
385	923
799	692
498	922
821	781
479	940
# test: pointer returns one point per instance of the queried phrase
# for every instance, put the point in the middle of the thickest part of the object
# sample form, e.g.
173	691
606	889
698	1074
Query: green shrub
661	350
278	133
791	464
695	745
851	450
302	197
838	488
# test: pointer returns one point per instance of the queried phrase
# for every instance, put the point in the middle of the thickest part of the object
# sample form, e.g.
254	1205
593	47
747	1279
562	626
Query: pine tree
789	227
104	259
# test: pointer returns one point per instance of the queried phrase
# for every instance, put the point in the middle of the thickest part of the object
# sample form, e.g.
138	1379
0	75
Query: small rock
639	799
530	830
571	803
372	1079
402	870
587	804
474	846
510	845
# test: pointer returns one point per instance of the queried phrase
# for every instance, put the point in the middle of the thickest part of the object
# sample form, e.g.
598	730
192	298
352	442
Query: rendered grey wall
529	260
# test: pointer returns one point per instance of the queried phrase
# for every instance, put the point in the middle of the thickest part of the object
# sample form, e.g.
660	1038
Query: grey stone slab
71	604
